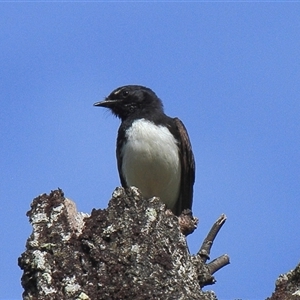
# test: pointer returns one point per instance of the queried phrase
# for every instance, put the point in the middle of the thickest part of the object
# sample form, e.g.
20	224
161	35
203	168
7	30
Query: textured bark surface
131	250
287	286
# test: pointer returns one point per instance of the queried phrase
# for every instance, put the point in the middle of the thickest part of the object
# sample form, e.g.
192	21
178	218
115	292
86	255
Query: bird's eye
125	93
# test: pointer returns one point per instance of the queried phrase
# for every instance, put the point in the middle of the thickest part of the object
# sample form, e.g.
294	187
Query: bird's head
131	100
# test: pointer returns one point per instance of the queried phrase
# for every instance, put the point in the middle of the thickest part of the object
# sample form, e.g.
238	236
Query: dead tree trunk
131	250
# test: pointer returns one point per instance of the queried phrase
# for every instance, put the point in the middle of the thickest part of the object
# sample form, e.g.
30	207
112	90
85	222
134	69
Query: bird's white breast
151	161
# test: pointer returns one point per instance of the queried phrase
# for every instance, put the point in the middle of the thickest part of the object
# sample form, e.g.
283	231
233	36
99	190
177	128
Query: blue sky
230	71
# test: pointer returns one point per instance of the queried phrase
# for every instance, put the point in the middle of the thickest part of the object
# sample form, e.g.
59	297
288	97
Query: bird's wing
120	144
187	169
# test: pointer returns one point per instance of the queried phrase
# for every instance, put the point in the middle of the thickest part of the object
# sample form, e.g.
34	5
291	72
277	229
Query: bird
153	150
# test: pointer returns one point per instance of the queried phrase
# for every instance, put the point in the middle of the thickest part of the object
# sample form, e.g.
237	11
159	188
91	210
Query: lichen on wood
132	249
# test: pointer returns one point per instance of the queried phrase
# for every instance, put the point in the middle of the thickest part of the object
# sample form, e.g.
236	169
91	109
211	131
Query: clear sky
230	71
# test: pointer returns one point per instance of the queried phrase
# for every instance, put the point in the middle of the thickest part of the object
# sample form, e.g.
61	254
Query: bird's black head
132	100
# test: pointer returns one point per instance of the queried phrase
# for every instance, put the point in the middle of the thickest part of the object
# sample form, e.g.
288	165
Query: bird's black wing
120	144
187	169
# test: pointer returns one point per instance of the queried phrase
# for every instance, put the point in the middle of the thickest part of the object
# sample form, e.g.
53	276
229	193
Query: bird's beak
106	103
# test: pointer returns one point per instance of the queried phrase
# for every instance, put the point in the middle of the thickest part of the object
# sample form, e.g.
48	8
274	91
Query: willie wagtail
154	152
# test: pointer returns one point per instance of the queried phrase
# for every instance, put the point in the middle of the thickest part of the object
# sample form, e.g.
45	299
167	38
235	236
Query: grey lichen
287	286
131	250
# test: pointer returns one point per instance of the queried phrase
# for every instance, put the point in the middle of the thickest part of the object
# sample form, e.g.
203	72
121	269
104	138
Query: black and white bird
154	152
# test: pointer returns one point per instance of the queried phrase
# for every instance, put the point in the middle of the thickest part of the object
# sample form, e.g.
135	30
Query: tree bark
131	250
